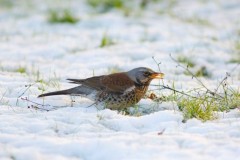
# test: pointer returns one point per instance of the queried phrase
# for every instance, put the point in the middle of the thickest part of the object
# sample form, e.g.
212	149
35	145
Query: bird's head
143	75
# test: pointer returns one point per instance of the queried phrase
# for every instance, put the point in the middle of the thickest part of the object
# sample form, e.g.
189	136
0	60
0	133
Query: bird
116	91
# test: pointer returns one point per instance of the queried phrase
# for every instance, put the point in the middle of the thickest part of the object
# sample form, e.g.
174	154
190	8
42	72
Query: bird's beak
157	75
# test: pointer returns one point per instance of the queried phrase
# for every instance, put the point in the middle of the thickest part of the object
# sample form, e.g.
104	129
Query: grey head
143	75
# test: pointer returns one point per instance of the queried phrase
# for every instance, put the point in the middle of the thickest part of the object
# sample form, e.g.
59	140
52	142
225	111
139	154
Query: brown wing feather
93	82
116	83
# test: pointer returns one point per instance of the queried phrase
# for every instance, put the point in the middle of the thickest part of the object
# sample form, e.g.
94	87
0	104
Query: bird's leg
72	100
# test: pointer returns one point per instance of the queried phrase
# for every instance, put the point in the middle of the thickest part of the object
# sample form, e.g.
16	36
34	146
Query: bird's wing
93	82
115	83
118	83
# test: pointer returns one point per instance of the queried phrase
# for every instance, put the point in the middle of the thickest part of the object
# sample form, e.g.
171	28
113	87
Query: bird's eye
146	74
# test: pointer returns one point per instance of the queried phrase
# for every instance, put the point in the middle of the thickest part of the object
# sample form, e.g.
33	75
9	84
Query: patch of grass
236	56
42	85
106	41
65	16
50	82
214	39
187	61
168	4
54	81
201	108
106	4
127	7
44	82
21	70
203	72
237	45
234	101
205	106
235	59
167	8
36	74
202	103
6	3
135	112
197	21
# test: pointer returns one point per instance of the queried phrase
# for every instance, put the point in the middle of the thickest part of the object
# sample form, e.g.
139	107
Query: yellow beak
157	75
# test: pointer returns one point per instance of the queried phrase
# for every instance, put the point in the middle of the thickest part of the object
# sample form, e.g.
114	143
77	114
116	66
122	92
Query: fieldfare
115	91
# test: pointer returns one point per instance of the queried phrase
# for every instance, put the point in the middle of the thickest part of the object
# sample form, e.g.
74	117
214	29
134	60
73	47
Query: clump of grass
65	16
42	85
203	72
144	3
167	4
204	107
237	45
185	60
21	70
36	74
50	82
234	101
201	108
197	21
236	56
106	4
127	7
202	103
135	112
167	7
6	3
106	41
235	59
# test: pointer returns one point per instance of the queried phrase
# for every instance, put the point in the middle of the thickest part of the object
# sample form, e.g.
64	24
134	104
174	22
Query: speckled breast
121	101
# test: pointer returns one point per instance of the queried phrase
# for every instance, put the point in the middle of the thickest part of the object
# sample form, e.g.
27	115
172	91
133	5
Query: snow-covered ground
205	31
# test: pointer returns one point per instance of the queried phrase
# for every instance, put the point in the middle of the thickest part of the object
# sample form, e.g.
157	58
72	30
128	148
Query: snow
61	51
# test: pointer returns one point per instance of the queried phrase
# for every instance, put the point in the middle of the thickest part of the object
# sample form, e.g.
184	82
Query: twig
167	87
3	96
193	76
91	105
37	104
42	105
158	64
226	77
161	132
223	80
28	87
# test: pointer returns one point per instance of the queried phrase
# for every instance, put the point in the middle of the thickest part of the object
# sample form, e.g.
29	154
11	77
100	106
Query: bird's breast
121	101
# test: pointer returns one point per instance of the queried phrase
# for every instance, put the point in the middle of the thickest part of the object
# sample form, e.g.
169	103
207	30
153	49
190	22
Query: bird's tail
63	92
80	90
